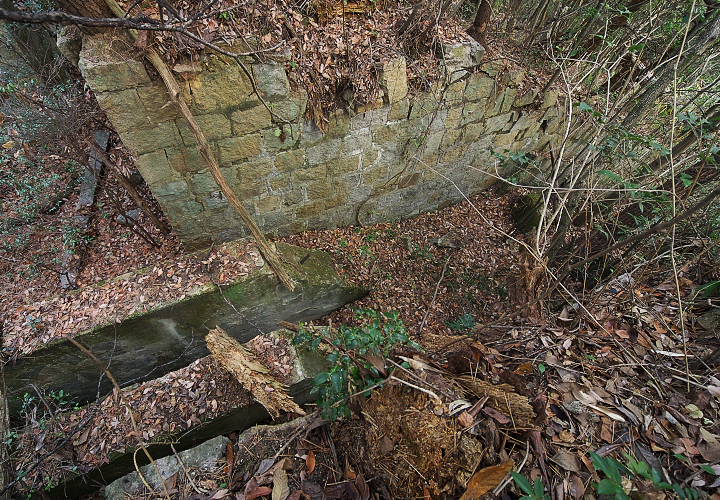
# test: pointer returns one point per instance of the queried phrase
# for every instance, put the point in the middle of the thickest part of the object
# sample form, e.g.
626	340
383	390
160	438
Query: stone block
357	141
268	203
155	168
460	57
550	99
370	119
311	209
455	92
290	109
288	161
504	141
215	199
249	120
479	86
338	125
255	169
145	139
214	126
236	149
281	137
106	71
526	99
203	183
186	159
326	150
311	173
271	81
124	109
517	76
472	132
177	188
157	103
399	110
450	138
523	123
344	165
423	106
508	99
497	123
394	80
219	87
473	111
375	176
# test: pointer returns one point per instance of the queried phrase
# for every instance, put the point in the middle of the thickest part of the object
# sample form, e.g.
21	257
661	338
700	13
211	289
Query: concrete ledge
305	366
168	338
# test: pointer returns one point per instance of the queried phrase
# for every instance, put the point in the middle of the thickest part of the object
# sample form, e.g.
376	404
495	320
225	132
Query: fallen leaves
486	480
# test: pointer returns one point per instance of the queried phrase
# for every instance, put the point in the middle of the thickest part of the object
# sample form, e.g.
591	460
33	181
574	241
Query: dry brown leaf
310	462
486	479
280	490
251	373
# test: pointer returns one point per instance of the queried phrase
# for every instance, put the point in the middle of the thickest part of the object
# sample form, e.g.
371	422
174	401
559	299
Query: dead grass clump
415	447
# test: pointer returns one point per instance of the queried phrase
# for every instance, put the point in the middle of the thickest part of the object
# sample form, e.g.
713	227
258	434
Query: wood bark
86	8
267	251
480	23
251	373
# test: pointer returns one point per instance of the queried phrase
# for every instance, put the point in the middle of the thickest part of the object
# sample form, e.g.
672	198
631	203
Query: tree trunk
87	8
480	24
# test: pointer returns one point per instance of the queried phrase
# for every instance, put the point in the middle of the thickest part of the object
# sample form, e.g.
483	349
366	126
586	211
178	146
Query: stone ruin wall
405	155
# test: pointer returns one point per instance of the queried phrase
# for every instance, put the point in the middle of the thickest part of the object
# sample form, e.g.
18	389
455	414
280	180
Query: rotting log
305	365
251	373
171	336
269	253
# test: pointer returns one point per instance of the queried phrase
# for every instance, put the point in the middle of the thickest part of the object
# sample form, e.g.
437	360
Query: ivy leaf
583	106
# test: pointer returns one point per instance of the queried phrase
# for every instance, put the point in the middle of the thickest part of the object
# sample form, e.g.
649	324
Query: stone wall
394	159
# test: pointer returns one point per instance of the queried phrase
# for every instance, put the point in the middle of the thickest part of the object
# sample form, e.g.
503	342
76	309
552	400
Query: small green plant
614	472
356	357
421	252
462	323
365	251
533	491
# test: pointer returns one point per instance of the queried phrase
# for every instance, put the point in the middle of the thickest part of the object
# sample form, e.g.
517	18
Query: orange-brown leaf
310	462
486	479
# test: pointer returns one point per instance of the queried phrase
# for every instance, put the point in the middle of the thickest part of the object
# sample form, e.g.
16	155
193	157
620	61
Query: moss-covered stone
170	336
239	148
214	126
250	120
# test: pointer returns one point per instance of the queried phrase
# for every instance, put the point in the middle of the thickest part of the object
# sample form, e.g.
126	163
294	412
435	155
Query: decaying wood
503	398
268	252
251	373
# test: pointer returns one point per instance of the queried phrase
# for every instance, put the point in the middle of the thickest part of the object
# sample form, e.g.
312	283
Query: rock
204	456
130	215
449	240
271	81
461	56
69	43
394	80
710	321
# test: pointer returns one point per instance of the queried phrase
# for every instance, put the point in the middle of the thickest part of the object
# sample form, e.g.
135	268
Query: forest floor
611	379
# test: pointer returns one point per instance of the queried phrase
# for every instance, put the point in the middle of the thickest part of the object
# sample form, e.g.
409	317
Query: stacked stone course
393	159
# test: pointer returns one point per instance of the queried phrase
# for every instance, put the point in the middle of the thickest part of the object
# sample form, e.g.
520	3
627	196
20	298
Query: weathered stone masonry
393	160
